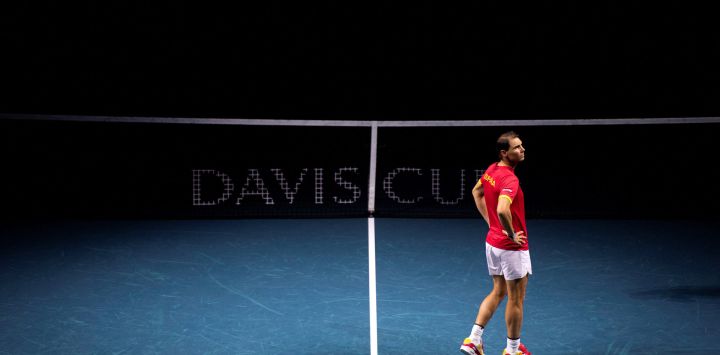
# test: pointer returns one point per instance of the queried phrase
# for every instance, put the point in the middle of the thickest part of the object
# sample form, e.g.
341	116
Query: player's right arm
479	196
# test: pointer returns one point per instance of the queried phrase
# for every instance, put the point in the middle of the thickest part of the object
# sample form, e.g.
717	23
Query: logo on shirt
506	190
489	179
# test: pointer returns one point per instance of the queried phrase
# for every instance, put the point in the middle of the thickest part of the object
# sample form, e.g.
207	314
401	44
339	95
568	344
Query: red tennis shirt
501	182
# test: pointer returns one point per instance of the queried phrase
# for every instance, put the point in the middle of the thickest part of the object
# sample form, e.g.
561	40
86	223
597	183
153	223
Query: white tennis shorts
513	264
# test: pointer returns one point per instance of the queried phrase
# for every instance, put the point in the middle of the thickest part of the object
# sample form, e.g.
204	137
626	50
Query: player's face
516	153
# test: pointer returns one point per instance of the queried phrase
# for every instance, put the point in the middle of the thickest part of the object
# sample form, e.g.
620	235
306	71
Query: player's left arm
479	196
508	190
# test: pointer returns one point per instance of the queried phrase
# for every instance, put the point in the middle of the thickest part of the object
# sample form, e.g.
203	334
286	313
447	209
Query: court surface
300	286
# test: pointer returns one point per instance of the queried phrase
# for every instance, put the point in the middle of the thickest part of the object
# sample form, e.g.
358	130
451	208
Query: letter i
318	186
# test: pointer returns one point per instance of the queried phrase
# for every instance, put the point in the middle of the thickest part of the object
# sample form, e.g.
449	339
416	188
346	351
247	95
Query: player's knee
499	293
516	299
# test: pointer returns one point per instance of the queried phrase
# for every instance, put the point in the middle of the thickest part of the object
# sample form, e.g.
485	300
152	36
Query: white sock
476	334
513	345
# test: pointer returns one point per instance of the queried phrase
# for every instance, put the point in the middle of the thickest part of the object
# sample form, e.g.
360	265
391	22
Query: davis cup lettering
346	185
255	186
285	184
436	188
319	186
227	184
259	189
212	187
388	185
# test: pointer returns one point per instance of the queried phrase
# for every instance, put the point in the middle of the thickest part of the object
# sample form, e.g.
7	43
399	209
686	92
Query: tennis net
197	168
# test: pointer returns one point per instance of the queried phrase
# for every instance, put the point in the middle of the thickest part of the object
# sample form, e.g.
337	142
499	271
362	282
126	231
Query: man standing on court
500	200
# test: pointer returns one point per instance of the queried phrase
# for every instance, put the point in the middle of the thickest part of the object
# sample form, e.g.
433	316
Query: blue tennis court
301	286
317	178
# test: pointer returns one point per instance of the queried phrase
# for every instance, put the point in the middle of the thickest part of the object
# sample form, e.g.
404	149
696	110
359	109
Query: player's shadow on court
679	294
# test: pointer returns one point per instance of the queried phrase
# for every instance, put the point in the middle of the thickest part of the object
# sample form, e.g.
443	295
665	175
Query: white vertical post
371	240
373	294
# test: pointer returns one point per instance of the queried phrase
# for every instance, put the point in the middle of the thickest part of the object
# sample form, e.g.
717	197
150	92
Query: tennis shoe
522	350
469	348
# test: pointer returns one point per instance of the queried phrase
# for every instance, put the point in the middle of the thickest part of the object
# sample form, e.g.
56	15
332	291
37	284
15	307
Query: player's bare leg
473	345
490	304
514	310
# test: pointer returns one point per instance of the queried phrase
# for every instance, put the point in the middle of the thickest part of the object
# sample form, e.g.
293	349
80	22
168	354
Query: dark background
54	169
97	169
327	60
428	60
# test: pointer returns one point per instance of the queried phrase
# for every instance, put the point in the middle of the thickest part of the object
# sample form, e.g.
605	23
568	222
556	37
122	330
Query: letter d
228	187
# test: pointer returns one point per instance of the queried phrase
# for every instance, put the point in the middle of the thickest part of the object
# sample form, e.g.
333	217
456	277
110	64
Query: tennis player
500	201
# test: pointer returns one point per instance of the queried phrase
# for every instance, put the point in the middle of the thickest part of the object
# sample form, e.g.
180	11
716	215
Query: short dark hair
503	142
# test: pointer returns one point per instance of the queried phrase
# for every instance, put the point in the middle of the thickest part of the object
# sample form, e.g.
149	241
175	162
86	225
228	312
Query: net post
373	168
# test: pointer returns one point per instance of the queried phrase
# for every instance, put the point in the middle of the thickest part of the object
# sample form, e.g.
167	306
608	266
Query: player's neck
504	163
